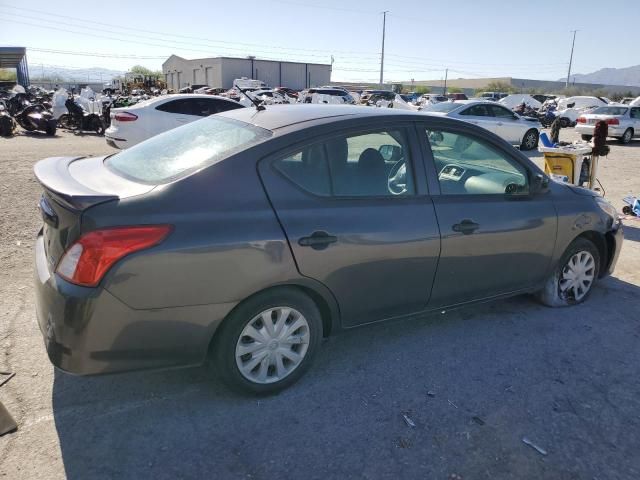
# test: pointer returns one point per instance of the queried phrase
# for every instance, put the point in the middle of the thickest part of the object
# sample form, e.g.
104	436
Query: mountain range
629	76
89	75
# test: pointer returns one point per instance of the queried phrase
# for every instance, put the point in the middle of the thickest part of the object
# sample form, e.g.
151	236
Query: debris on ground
537	448
452	404
403	443
7	423
408	421
8	375
478	420
431	394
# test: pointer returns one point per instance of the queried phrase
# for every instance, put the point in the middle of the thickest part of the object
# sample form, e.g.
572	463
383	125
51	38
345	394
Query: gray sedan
513	128
245	237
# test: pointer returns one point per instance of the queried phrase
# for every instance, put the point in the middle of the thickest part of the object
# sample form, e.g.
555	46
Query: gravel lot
474	382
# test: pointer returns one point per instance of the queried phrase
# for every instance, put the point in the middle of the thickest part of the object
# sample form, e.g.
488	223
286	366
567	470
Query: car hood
585	192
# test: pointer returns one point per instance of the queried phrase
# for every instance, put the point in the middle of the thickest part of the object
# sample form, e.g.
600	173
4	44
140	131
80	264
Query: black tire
530	140
564	122
551	294
98	126
587	138
626	137
222	353
51	128
63	121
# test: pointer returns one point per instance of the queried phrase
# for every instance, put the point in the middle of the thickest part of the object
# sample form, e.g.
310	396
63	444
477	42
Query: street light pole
384	27
571	57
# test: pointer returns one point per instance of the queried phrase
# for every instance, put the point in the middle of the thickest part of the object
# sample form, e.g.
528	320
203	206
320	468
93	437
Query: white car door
478	114
507	125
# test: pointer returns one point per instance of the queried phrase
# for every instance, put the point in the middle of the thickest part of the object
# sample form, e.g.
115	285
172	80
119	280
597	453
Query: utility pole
384	27
571	57
446	74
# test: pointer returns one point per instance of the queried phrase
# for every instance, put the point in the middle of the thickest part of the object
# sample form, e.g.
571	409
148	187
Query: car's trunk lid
71	186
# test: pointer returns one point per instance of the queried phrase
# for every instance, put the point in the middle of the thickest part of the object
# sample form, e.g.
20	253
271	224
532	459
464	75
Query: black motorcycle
79	119
36	117
7	123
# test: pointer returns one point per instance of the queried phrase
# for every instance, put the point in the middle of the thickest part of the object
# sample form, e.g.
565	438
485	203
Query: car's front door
507	125
357	220
496	237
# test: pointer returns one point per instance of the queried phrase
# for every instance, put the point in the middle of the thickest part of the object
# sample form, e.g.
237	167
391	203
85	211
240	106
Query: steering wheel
397	178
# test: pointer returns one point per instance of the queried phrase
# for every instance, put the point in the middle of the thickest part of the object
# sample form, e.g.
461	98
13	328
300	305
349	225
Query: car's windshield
180	151
442	107
610	110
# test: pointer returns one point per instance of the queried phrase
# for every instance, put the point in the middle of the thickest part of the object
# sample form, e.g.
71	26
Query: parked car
431	98
326	95
623	122
366	95
512	101
517	130
493	96
457	96
570	108
245	237
133	124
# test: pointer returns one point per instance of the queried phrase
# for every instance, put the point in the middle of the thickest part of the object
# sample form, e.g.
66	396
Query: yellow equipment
565	163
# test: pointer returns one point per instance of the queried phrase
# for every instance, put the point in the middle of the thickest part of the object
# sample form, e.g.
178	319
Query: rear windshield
610	110
442	107
185	149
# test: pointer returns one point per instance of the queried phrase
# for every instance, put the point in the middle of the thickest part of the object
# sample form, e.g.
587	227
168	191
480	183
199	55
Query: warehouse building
219	72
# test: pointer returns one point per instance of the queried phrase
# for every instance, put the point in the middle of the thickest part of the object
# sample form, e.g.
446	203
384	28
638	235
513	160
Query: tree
139	69
454	90
422	89
496	87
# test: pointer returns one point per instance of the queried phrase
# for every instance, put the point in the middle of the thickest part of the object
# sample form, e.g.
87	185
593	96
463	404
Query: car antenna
252	100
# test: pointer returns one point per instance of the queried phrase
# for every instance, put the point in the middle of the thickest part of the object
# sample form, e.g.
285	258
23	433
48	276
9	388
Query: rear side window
183	106
178	152
371	164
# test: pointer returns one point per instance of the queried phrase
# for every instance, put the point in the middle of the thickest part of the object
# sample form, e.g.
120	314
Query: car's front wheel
574	277
268	342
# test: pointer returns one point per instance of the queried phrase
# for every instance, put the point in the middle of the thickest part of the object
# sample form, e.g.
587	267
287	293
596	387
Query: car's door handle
465	227
317	240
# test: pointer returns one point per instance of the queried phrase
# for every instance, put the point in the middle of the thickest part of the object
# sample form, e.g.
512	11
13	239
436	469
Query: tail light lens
87	261
581	120
126	117
613	121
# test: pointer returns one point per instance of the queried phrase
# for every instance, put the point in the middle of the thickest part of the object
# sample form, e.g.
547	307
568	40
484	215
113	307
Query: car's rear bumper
613	130
90	331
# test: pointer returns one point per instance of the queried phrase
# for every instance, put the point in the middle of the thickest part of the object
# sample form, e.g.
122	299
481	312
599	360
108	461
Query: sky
518	38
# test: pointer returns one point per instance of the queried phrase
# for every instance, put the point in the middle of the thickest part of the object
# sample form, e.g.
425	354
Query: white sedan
513	128
136	123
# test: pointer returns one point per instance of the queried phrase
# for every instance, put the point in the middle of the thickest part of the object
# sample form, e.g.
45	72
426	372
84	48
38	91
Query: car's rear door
374	246
496	237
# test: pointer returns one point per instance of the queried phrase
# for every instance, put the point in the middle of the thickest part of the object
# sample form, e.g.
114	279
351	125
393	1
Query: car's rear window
441	107
610	111
185	149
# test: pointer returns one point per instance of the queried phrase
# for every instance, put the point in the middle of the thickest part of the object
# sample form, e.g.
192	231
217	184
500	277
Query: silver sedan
517	130
623	122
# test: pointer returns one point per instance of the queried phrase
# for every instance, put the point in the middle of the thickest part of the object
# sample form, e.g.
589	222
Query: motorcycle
36	117
79	119
7	123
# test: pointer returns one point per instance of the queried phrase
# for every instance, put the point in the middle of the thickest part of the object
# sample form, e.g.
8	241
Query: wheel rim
530	141
272	345
577	276
627	136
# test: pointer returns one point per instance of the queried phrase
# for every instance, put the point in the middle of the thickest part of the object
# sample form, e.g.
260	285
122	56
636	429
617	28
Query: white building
219	72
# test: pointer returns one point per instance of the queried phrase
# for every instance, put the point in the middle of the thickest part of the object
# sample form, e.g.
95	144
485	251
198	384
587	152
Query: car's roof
274	117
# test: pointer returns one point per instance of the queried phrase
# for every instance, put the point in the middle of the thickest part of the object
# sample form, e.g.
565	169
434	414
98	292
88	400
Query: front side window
635	113
371	164
468	166
502	112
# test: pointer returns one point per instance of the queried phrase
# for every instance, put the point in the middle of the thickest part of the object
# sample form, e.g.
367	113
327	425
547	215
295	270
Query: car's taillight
613	121
126	117
581	120
89	259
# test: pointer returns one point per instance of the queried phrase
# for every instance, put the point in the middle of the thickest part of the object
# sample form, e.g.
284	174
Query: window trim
432	171
405	127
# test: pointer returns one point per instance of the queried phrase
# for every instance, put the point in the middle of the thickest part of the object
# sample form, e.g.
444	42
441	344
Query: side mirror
390	152
540	183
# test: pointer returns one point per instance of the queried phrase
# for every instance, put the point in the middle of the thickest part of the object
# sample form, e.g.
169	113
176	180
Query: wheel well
602	243
324	308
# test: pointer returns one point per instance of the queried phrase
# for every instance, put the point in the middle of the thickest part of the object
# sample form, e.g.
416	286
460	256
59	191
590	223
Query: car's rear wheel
530	140
268	342
564	122
574	277
587	138
626	136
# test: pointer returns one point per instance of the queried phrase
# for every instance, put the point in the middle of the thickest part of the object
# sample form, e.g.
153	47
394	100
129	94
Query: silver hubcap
272	345
627	136
577	276
530	141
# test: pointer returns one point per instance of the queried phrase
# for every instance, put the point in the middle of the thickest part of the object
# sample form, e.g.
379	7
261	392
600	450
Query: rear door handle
317	240
465	227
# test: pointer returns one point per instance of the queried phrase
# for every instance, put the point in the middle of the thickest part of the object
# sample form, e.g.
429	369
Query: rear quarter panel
226	243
